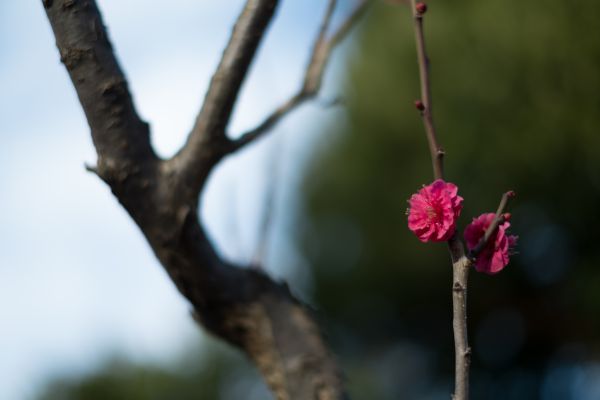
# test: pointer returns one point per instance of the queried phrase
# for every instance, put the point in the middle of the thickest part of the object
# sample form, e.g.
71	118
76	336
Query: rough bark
242	306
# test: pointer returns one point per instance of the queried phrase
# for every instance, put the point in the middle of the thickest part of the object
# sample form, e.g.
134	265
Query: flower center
431	213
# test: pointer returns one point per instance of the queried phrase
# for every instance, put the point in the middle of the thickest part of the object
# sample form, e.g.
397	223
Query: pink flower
495	255
434	210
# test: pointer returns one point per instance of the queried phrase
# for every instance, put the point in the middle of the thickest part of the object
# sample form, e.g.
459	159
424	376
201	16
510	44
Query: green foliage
217	372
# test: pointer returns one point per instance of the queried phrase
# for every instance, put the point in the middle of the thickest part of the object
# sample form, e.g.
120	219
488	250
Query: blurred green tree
211	371
515	93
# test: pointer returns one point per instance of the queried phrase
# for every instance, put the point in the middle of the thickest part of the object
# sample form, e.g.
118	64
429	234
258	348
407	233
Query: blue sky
78	283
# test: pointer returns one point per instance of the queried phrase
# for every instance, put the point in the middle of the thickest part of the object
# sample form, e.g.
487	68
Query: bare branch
241	306
207	142
462	352
119	135
322	49
319	55
460	262
426	108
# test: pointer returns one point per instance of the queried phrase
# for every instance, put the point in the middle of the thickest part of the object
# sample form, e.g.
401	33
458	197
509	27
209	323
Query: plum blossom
495	255
434	210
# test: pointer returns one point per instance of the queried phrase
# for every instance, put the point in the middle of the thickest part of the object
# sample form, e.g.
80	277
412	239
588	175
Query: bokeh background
516	101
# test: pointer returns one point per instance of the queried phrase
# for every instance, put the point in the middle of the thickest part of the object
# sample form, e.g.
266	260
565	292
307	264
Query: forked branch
241	306
313	76
460	262
207	142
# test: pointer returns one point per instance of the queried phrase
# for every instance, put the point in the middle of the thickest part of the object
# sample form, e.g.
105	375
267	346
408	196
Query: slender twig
319	55
460	262
91	168
313	76
499	218
427	114
322	48
268	123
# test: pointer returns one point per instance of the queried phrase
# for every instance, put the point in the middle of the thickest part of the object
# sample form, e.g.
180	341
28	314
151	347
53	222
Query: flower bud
421	8
419	105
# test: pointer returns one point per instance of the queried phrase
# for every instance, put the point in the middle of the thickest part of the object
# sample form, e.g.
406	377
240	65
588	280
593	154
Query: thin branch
326	21
207	141
320	53
313	76
349	22
91	168
499	218
460	262
268	123
426	110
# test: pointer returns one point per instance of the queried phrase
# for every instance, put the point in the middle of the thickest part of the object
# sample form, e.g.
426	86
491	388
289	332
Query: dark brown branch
461	265
313	77
499	218
207	142
241	306
460	262
120	136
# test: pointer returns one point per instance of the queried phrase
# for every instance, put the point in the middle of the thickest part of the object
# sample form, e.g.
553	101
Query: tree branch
313	76
426	109
207	141
460	262
499	218
121	138
241	306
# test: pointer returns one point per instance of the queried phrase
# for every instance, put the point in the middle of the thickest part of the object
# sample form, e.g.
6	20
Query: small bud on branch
421	8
